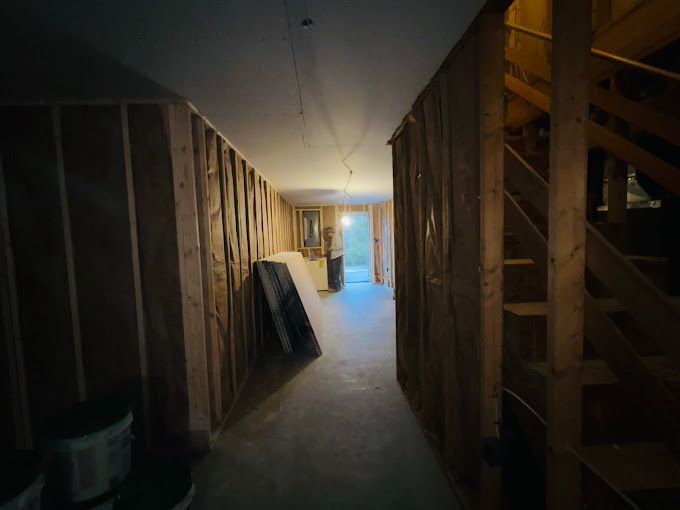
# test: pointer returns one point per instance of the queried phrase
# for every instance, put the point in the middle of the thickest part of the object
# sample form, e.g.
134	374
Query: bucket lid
21	468
89	417
155	486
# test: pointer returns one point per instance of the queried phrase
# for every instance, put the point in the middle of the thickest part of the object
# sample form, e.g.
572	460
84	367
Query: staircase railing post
566	248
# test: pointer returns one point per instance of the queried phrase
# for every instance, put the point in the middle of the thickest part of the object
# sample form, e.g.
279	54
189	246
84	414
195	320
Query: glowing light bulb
346	220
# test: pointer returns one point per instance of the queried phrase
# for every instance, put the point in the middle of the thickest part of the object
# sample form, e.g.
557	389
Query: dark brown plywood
157	233
97	194
29	159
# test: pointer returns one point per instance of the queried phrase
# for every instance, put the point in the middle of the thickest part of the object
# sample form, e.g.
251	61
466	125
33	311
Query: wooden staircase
630	375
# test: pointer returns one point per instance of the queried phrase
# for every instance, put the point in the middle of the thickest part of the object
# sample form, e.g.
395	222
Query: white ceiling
360	67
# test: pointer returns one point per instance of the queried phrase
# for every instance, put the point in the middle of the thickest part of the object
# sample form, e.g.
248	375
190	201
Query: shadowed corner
47	65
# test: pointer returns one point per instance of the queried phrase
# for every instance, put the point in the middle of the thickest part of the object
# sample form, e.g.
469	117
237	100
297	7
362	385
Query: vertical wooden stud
616	171
68	248
136	272
566	247
207	270
19	405
491	118
188	245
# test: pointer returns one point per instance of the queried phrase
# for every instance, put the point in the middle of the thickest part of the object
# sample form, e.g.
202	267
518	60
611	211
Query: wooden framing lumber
656	168
491	147
231	233
241	208
68	252
92	138
17	428
213	341
188	241
136	273
650	307
566	248
220	351
659	170
641	115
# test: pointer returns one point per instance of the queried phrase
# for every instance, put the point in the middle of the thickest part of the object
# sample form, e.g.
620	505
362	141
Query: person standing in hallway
334	254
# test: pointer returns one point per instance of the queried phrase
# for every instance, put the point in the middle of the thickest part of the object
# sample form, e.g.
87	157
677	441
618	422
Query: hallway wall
447	158
129	232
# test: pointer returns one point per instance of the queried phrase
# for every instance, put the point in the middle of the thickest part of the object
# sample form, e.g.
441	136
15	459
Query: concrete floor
334	432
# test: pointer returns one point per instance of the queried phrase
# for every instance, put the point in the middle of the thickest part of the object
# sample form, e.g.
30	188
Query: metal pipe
605	55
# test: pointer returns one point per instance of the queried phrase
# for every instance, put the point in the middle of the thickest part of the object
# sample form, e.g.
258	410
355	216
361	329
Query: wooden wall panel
133	228
438	159
202	142
98	206
249	187
465	256
188	240
242	231
432	346
220	273
231	231
265	218
157	235
38	261
236	276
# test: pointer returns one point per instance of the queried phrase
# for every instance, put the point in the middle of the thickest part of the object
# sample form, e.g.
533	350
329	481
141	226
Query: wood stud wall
129	233
448	246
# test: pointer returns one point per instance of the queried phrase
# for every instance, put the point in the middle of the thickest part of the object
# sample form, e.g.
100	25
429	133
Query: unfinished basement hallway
330	432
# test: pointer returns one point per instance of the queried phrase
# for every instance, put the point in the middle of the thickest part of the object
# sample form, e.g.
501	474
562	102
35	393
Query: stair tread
518	262
634	466
538	308
596	371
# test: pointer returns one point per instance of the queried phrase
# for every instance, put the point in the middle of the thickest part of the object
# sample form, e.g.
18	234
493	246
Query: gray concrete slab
334	432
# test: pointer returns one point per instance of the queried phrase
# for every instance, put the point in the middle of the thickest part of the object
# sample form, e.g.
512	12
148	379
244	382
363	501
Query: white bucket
88	466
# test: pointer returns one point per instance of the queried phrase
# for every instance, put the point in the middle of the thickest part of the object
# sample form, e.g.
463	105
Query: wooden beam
641	115
616	170
491	153
656	168
136	273
566	248
649	306
9	313
68	249
219	351
651	395
529	236
200	154
528	92
233	257
648	393
188	242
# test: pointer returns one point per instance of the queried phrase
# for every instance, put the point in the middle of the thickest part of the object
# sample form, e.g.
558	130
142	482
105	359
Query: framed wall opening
356	233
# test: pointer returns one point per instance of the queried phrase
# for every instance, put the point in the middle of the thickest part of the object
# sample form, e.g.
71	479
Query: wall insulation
129	232
447	222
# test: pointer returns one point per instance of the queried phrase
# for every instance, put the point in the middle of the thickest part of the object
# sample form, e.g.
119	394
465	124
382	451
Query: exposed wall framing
129	231
448	255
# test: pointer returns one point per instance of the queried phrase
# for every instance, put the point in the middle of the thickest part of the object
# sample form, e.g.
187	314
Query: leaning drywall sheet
290	318
305	287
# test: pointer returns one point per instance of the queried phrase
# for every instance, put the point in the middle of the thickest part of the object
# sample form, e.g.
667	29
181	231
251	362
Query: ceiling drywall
359	68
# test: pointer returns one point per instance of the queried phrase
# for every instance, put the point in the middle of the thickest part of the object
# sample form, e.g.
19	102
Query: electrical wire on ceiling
308	23
297	73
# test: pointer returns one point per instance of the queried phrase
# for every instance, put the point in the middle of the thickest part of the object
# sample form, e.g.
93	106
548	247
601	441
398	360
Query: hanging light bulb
346	220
